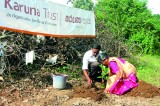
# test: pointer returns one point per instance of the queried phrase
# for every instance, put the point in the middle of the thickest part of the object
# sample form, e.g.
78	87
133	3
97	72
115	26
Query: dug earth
77	93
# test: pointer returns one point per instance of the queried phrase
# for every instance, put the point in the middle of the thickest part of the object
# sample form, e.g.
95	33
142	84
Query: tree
83	4
127	19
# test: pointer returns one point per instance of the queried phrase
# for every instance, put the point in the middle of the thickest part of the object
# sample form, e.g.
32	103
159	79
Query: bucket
59	81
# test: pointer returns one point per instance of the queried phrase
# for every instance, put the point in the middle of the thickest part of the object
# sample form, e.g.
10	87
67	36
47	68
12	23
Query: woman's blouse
114	67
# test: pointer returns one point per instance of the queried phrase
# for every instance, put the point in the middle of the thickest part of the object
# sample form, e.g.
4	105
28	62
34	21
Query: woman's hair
96	46
103	56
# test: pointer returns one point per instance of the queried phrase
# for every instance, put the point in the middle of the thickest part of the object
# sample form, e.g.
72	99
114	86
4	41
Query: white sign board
46	18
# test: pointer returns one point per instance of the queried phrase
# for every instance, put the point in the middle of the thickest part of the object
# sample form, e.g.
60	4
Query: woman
122	75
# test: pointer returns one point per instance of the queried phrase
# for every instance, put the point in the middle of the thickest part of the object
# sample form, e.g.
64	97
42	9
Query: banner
46	18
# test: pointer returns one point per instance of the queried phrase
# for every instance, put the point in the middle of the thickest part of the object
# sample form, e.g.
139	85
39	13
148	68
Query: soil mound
88	92
144	90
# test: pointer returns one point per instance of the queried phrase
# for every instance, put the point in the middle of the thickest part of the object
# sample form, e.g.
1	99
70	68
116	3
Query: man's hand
87	77
89	82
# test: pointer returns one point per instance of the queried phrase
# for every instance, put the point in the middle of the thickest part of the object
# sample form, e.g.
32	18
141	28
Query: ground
77	93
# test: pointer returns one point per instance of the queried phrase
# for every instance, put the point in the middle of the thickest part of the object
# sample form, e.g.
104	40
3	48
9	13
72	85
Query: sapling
104	75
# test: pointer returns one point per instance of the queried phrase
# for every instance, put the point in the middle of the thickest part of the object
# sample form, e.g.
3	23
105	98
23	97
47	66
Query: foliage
148	69
145	39
104	72
104	37
128	19
104	75
155	28
83	4
73	71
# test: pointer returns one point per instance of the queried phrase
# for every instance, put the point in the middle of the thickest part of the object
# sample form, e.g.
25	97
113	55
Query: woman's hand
107	90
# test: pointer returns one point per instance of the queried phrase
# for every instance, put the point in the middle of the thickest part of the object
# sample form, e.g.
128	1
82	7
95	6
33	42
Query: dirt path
78	95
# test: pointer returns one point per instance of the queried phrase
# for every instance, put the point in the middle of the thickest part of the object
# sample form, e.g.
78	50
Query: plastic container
59	81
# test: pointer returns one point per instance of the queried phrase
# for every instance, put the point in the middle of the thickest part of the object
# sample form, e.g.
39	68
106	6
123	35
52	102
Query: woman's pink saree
127	80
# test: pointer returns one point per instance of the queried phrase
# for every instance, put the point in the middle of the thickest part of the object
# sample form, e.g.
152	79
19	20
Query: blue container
59	81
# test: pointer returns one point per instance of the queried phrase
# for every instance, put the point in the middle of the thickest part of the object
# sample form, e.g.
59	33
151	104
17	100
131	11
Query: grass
148	69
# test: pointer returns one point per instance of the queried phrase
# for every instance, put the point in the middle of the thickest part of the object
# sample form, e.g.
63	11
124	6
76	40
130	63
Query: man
90	67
